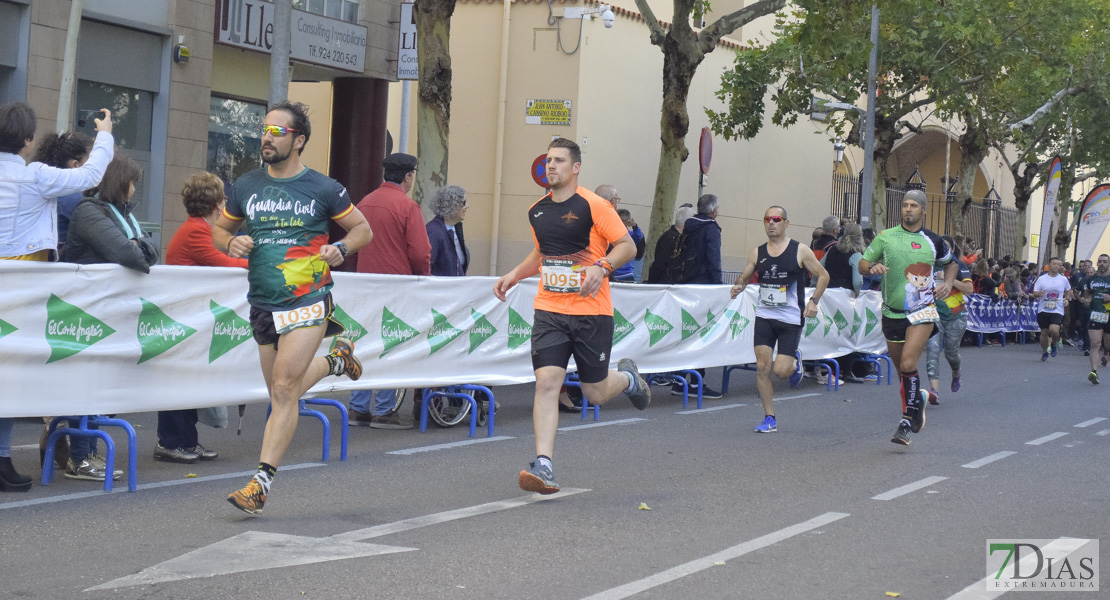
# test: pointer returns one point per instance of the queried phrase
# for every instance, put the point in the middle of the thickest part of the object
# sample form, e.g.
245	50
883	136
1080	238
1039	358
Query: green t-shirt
908	256
1097	285
288	221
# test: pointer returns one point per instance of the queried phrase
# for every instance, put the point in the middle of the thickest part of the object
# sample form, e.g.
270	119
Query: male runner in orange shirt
572	227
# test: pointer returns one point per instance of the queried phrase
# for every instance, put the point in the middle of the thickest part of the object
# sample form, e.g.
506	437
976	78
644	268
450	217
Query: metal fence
992	226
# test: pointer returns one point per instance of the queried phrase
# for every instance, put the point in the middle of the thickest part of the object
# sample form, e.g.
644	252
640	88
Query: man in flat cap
400	247
904	256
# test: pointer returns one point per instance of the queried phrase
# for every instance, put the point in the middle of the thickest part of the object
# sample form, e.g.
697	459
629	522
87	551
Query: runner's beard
277	157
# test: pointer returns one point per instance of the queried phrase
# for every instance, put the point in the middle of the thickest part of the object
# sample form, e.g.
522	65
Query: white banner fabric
1094	215
1051	190
101	339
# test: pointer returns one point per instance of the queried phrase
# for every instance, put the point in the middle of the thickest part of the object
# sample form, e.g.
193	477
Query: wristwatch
342	248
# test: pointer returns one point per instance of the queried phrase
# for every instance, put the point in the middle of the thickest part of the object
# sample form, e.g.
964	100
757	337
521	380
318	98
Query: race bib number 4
1099	317
928	314
561	276
772	295
305	316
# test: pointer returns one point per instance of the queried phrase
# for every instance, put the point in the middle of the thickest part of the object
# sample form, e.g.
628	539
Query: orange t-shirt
572	234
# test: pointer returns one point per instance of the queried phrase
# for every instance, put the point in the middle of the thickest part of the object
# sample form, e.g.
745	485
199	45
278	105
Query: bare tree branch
1046	107
709	36
657	32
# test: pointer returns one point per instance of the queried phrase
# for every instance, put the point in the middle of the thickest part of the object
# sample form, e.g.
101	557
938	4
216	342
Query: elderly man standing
400	247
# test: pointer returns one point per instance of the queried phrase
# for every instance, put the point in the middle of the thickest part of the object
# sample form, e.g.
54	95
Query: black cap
399	161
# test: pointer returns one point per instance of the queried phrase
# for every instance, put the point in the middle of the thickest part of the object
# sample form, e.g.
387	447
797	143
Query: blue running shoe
1044	355
538	478
1054	348
769	425
796	376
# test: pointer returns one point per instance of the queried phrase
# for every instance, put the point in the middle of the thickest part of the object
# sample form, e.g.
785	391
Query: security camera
607	16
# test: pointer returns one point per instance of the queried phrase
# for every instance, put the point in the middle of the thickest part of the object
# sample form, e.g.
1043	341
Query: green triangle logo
441	332
840	320
352	329
621	327
229	331
481	331
736	322
828	325
70	330
857	322
872	320
689	324
6	328
811	324
710	323
395	331
158	332
520	331
657	327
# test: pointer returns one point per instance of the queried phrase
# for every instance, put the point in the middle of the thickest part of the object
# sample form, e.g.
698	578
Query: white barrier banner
100	339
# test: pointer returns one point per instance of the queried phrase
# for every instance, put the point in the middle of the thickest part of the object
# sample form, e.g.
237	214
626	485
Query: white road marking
698	411
1047	438
602	424
257	550
810	395
1091	422
986	460
451	515
706	562
118	489
26	447
1055	550
1104	432
909	487
466	442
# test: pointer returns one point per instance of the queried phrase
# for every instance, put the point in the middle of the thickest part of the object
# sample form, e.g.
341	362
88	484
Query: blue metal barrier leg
344	427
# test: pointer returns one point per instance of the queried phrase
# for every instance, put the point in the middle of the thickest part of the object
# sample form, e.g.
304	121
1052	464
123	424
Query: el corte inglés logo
228	331
70	330
157	332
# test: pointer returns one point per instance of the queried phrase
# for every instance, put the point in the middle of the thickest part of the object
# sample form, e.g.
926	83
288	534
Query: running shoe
1103	359
1044	355
796	376
956	382
1093	377
917	412
1055	347
640	395
102	464
345	349
902	434
934	397
769	425
250	499
539	479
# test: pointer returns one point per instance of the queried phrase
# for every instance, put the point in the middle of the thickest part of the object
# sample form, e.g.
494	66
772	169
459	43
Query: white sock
631	382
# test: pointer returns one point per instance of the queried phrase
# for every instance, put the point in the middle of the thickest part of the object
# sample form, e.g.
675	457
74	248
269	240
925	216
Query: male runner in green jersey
1096	295
286	208
904	256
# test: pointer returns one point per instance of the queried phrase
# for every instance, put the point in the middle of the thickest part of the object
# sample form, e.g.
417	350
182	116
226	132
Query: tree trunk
681	57
433	111
1023	191
973	146
1062	212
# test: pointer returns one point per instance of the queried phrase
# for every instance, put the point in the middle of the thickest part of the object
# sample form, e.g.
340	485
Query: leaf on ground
190	475
719	563
643	506
893	594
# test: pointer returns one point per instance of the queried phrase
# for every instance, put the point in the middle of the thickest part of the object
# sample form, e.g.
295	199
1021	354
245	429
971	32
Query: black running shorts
588	338
894	330
769	331
1047	319
262	324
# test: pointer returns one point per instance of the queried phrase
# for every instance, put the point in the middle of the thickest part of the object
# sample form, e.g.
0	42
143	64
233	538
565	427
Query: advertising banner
1005	316
1051	190
98	339
1094	214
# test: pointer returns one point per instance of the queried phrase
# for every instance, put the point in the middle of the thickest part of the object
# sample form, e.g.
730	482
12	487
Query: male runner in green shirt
1096	295
904	256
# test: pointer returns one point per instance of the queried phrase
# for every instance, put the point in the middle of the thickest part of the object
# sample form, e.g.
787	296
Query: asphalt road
826	508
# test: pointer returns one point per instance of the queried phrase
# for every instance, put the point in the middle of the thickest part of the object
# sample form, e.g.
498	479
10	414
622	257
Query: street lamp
839	146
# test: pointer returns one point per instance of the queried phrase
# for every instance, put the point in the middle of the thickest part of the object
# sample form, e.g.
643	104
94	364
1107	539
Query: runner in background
1096	295
1052	290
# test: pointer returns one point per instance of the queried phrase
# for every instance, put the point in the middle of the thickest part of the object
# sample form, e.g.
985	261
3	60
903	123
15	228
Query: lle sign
315	39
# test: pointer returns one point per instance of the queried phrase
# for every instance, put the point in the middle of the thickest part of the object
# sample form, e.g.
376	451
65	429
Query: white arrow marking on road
256	550
250	551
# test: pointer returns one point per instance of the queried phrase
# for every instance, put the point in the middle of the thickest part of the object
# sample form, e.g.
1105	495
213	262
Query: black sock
336	365
910	385
267	469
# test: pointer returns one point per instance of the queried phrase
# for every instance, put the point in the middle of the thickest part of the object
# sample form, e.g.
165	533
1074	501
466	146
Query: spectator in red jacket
203	196
400	247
